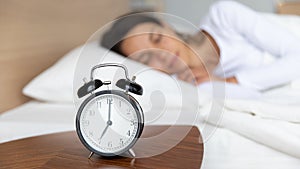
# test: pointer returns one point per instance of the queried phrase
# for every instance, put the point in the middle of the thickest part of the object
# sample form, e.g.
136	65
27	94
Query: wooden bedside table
64	150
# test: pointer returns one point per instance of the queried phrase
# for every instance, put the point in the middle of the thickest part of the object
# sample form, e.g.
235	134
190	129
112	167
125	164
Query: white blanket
272	119
266	110
229	150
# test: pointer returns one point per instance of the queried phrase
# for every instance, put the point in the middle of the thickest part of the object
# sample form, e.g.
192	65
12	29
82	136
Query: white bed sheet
36	118
223	150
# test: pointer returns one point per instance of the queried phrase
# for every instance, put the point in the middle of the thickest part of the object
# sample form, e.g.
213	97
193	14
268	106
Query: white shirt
244	37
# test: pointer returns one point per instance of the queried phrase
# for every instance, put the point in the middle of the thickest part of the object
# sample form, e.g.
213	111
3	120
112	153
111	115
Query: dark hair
113	38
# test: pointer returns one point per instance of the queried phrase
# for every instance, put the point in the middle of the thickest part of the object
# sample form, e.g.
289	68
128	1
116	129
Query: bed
46	105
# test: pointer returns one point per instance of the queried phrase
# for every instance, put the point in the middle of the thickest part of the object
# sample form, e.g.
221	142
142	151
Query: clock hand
109	110
104	131
109	123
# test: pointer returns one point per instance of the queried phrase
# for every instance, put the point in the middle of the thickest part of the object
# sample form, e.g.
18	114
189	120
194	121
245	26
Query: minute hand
108	123
109	110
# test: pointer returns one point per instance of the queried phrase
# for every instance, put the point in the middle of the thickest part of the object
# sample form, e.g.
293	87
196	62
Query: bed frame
34	34
292	8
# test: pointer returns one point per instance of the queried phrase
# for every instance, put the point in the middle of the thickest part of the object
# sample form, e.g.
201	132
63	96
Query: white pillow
56	83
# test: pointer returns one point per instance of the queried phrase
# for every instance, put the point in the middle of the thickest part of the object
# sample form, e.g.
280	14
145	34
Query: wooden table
64	150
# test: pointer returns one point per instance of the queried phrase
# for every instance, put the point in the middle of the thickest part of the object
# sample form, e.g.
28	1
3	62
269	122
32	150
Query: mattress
223	149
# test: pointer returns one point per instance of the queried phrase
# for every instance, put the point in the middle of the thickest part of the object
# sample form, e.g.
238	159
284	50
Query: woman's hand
231	80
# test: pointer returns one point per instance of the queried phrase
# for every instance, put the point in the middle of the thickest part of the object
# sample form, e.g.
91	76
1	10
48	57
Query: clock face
109	123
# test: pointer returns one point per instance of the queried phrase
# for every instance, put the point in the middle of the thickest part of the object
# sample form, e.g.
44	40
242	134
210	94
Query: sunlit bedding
255	130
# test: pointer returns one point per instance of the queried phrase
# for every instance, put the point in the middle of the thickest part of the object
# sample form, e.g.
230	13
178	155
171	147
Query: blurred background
194	10
35	34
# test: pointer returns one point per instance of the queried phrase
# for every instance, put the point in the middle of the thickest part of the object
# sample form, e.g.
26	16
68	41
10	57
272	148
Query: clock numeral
109	144
128	132
128	111
86	123
132	122
92	113
121	142
91	133
120	103
109	101
99	104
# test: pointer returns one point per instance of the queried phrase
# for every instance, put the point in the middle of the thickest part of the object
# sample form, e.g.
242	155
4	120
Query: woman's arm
266	36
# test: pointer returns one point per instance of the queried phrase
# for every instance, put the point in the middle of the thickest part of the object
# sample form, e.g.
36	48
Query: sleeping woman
230	46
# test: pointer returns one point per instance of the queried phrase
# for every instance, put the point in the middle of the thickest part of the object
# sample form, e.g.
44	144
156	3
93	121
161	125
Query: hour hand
104	131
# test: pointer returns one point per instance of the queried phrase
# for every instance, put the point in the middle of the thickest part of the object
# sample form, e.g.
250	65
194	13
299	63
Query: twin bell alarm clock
109	122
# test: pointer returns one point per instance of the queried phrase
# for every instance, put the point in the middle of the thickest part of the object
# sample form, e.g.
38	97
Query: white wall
194	10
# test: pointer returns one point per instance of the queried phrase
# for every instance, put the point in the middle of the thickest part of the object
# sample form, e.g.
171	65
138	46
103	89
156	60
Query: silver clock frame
124	94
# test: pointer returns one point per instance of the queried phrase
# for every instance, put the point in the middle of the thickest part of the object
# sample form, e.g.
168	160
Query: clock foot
91	154
131	153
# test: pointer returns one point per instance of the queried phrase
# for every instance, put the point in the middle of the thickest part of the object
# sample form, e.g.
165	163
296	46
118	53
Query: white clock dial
109	123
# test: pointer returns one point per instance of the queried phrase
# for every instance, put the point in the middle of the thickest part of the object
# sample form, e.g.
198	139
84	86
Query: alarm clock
109	122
